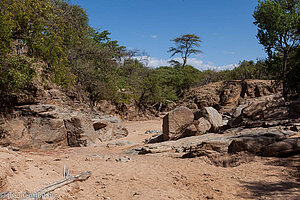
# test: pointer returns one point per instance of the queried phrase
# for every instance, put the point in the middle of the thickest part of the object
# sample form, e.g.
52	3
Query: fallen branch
67	180
3	194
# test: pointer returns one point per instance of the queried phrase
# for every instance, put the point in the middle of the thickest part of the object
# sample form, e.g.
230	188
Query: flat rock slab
254	139
121	143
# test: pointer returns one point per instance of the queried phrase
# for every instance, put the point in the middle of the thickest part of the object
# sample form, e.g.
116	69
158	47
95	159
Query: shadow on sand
287	188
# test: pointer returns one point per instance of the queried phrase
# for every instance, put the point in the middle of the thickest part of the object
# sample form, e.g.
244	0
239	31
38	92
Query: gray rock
155	139
123	159
238	110
12	148
283	148
111	119
121	143
182	145
111	131
214	118
203	125
153	132
264	111
176	121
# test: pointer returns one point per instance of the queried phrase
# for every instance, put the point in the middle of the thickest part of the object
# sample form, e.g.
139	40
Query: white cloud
224	67
197	63
154	36
156	62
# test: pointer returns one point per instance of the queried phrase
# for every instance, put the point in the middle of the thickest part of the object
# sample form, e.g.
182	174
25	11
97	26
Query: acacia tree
277	30
185	45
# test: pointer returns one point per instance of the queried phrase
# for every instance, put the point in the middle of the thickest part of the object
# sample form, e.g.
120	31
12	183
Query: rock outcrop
48	126
51	117
225	96
265	111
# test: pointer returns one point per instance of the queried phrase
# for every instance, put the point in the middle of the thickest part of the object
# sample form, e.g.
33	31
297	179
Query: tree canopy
52	39
277	22
185	46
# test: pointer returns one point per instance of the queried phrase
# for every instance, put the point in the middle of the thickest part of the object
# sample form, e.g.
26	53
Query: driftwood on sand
53	186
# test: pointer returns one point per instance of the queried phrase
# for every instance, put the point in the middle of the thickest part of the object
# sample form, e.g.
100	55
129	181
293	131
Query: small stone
29	160
107	158
124	159
153	132
88	159
13	169
104	197
12	148
137	193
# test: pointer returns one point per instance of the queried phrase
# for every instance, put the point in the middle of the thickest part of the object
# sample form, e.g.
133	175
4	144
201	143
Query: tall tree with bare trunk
185	45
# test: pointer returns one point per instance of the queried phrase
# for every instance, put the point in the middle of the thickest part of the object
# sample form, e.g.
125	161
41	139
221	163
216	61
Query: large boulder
176	122
261	107
212	116
202	125
111	132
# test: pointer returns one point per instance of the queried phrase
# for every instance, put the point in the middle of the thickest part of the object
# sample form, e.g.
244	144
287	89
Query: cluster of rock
265	126
182	122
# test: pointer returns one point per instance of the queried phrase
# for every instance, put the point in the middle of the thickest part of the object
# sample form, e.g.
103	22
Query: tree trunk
285	59
184	62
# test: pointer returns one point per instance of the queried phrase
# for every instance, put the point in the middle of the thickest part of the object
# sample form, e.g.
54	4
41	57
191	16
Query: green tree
277	32
185	45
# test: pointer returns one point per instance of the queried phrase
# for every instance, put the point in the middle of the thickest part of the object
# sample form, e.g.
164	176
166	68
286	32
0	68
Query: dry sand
151	177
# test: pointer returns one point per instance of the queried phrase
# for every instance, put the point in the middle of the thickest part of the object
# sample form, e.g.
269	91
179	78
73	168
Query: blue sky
224	26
